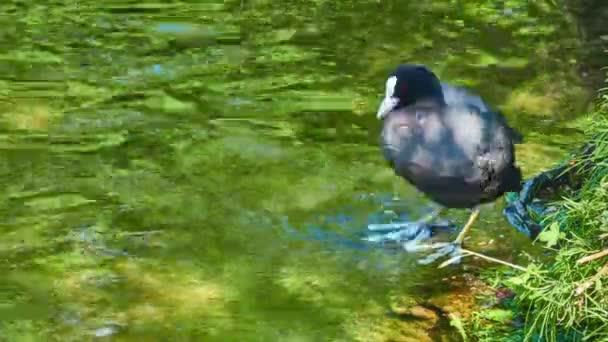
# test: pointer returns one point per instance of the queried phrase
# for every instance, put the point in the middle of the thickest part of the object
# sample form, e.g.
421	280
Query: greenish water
187	170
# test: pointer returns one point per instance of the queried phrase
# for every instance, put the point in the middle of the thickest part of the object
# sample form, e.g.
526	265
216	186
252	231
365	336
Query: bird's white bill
386	106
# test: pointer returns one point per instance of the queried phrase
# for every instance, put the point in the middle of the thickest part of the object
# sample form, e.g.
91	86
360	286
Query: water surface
186	170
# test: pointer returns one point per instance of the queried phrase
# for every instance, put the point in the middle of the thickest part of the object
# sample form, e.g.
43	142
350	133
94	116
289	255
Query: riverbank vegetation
566	298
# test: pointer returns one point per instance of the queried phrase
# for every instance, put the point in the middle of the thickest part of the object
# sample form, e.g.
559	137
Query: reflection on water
204	171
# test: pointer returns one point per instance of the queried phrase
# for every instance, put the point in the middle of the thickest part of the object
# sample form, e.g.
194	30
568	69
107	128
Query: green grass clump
567	298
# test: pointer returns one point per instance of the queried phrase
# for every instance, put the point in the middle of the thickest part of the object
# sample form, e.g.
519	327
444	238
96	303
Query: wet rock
402	305
421	312
461	300
391	330
410	308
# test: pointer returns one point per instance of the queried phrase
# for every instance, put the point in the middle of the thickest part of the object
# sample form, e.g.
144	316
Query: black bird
448	144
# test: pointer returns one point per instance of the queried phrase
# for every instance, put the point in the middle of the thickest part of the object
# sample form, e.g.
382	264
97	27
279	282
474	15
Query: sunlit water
205	171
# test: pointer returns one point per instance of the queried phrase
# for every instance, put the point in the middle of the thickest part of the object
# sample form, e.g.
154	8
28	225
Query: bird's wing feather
458	96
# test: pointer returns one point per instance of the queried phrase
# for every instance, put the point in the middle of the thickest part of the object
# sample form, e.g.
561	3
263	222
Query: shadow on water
204	171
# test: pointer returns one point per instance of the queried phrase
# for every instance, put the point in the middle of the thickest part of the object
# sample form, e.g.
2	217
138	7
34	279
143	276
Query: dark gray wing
458	96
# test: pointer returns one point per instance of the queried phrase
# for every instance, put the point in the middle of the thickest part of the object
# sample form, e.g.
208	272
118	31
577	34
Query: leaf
519	280
457	323
284	34
550	235
57	201
498	315
169	104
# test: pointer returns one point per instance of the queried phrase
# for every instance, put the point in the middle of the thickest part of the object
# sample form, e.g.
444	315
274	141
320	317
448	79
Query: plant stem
485	257
592	257
584	286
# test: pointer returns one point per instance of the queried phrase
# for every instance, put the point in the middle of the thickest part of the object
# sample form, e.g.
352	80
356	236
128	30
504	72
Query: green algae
144	188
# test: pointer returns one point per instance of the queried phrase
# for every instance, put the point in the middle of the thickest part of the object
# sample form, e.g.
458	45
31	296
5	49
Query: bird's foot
398	232
409	234
453	249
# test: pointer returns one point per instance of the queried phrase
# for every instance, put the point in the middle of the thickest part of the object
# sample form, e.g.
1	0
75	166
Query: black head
408	84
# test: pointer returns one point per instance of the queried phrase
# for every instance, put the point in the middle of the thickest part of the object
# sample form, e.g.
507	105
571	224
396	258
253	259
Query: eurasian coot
448	144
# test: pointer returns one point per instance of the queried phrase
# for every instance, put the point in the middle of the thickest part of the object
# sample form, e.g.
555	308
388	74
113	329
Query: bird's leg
402	231
472	218
454	247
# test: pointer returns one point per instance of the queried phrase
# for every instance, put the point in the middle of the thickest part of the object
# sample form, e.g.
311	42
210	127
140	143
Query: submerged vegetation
201	170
